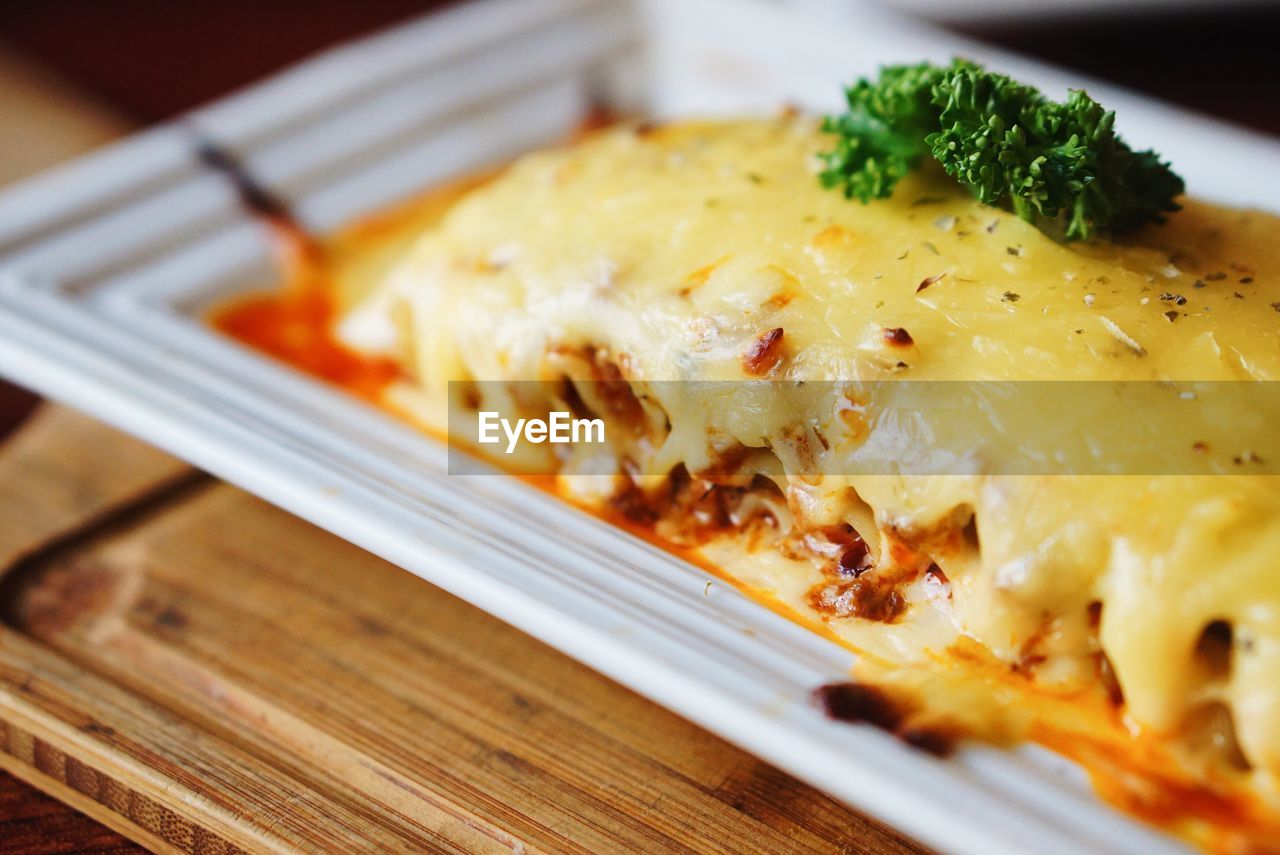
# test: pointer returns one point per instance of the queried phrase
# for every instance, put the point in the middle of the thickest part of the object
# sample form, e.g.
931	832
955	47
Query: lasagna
1131	621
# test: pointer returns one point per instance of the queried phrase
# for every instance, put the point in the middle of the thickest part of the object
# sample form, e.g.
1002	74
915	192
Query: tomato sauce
296	329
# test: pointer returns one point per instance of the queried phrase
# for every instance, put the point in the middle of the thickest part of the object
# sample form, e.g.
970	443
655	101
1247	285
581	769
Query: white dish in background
107	264
1039	12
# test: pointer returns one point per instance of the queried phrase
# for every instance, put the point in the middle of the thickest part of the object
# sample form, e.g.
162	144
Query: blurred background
136	62
81	72
152	59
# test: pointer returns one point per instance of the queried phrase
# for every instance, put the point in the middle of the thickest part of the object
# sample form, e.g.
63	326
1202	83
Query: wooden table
198	670
35	824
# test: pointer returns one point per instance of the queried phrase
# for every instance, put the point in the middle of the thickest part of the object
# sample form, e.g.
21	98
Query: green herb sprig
1059	165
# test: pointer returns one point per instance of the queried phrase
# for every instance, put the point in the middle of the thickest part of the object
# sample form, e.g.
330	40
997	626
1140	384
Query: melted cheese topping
673	251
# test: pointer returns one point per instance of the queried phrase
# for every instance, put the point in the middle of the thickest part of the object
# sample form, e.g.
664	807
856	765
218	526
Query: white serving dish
107	264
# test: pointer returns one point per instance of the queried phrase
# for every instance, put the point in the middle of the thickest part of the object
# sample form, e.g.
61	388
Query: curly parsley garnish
1055	164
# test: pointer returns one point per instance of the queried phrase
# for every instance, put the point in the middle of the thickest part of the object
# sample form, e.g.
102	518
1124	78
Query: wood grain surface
202	671
35	824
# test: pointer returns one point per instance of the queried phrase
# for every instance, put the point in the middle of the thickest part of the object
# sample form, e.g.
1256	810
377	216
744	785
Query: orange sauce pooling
295	324
295	327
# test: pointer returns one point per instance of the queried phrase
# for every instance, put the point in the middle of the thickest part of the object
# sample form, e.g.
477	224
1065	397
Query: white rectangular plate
107	265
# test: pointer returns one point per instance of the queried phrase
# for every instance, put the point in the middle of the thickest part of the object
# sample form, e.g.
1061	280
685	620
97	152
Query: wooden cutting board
204	672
